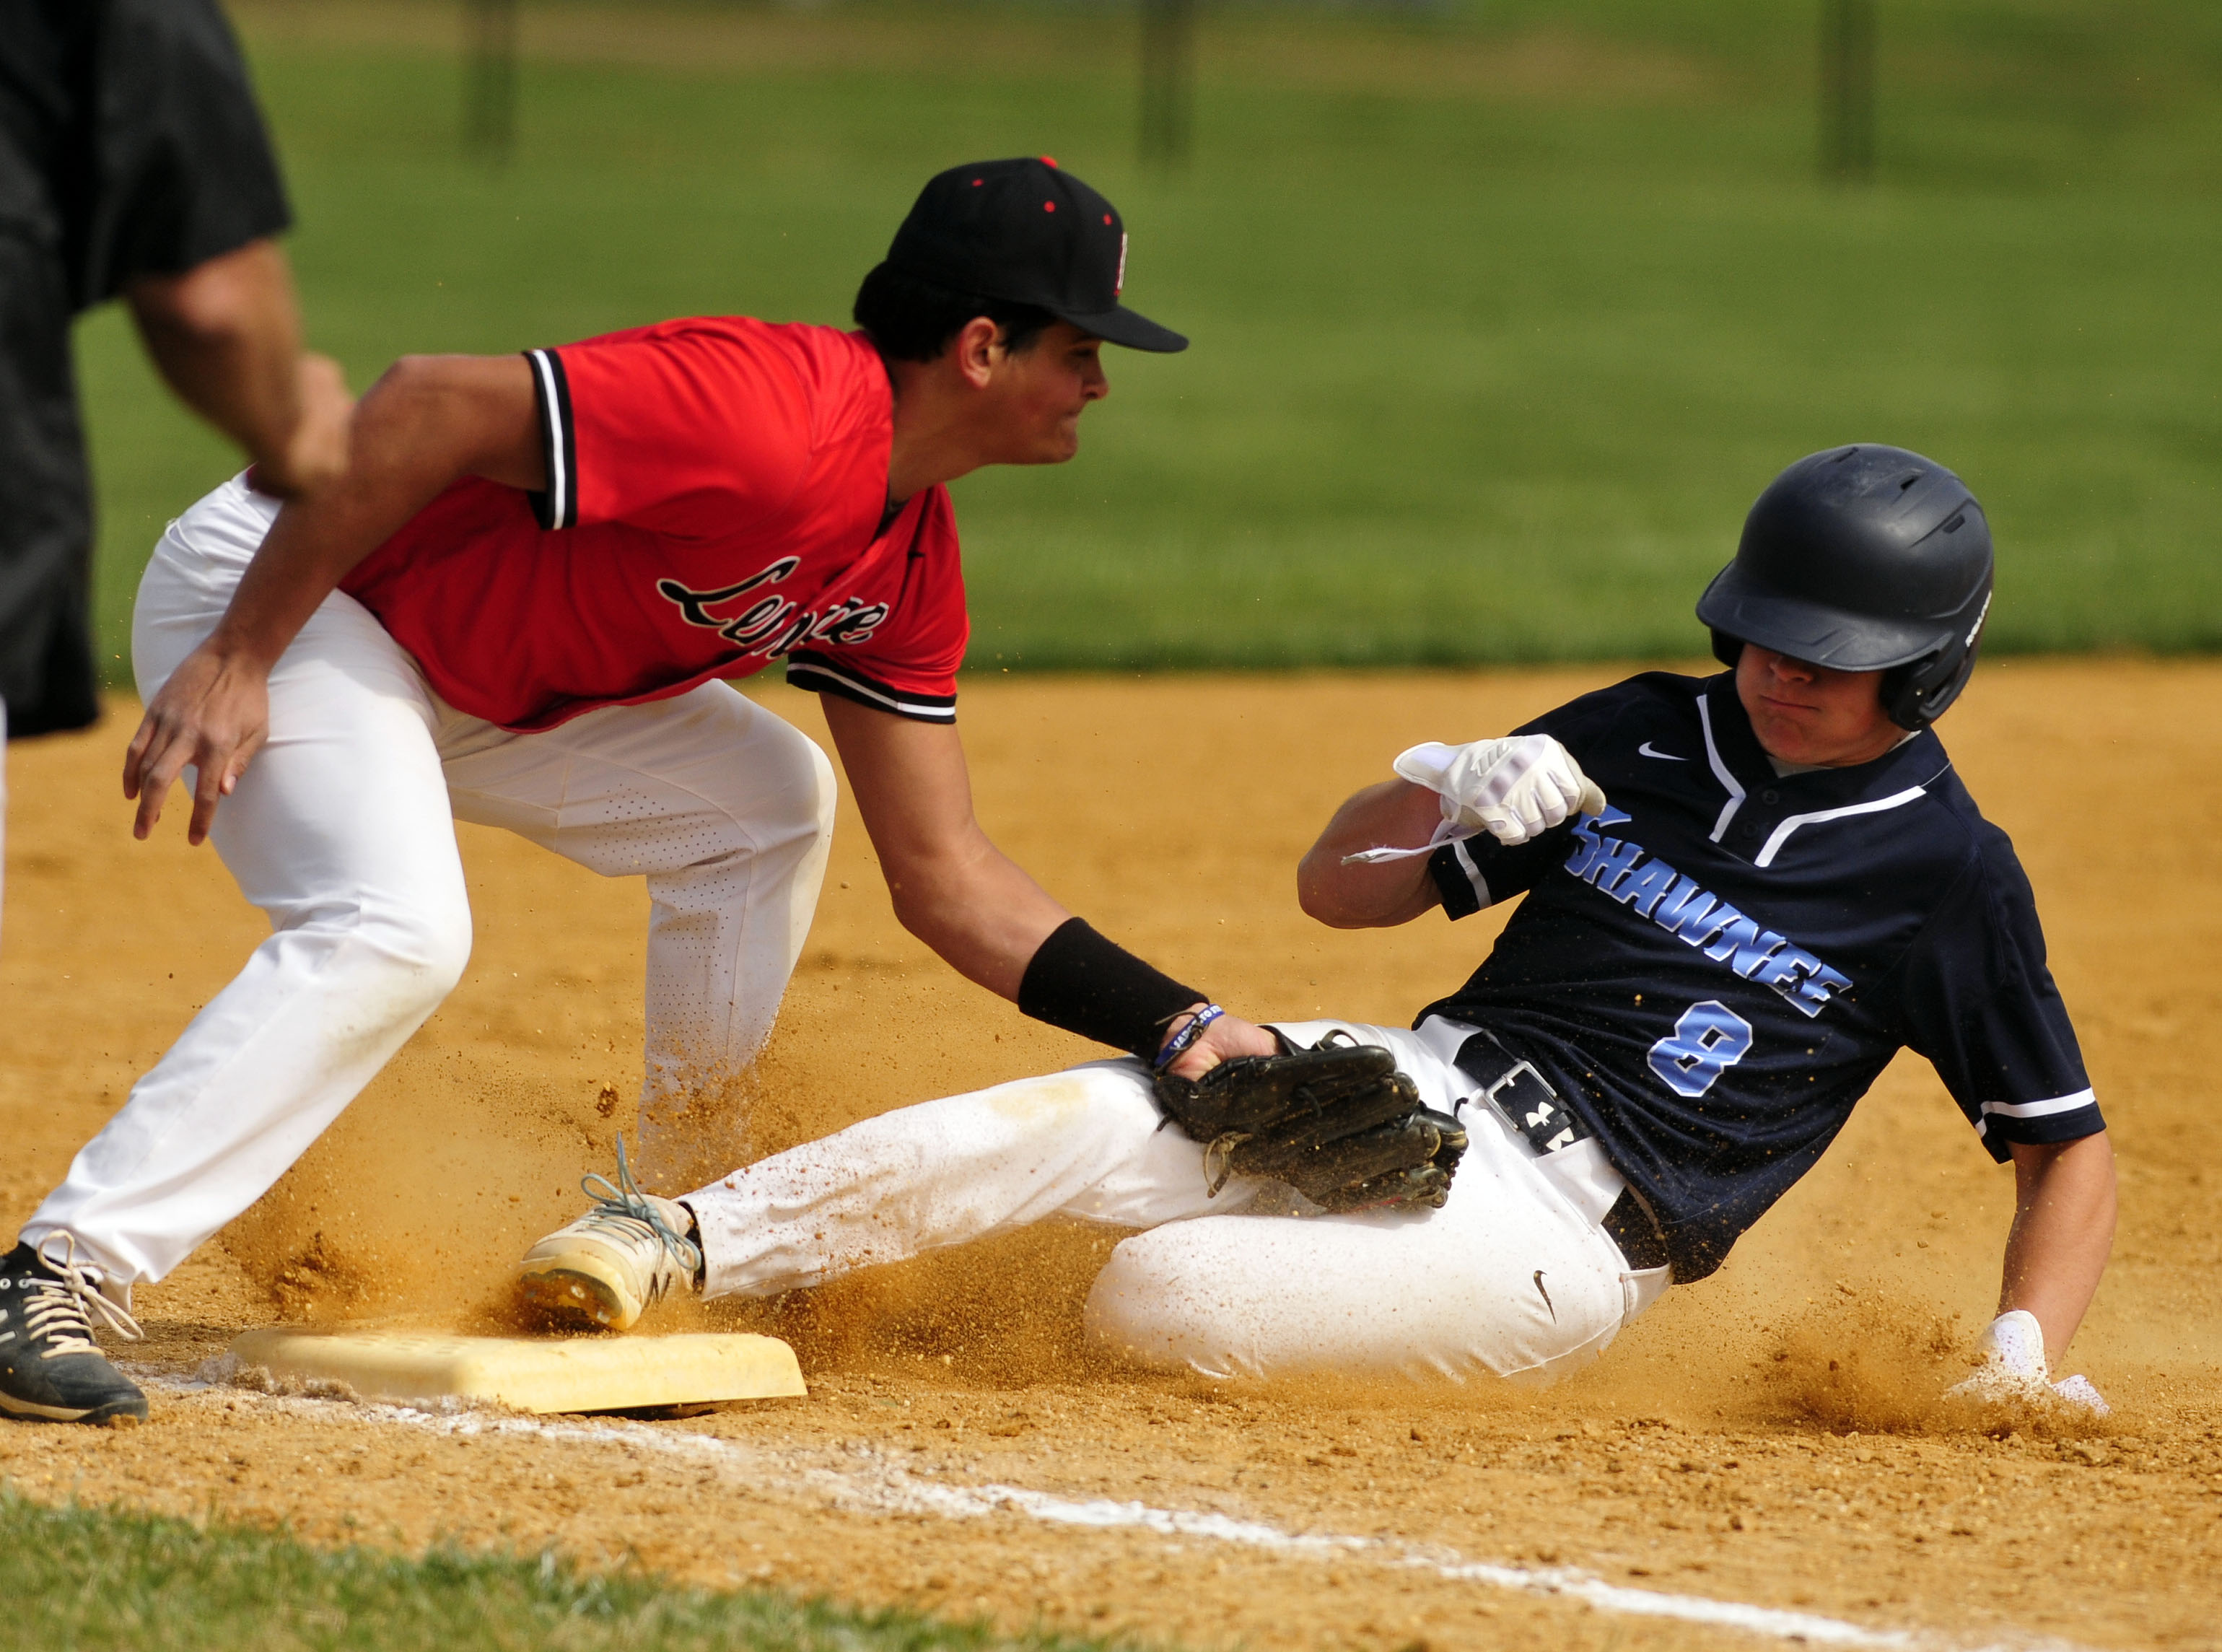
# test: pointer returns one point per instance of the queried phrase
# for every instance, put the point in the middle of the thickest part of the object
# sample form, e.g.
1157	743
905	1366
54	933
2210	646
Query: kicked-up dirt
1770	1438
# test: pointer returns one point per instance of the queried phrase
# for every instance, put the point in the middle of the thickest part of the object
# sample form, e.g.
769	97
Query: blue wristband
1179	1043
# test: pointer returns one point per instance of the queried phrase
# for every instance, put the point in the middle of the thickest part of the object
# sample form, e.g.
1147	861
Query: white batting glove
2014	1368
1514	788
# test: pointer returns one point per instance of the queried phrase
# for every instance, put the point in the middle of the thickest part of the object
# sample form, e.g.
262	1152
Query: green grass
1500	320
85	1579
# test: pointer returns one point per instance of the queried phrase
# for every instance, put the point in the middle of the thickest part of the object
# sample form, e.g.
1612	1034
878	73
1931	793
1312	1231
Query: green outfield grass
1500	319
87	1579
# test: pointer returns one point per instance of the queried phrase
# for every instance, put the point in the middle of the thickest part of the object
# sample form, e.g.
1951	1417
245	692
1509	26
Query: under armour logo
1563	1139
1541	1116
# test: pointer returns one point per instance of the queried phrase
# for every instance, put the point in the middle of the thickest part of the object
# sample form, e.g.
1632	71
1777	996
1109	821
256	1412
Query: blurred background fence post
1848	91
1167	82
489	79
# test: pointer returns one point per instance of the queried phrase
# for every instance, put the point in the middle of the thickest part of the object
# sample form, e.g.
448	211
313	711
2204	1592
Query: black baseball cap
1027	232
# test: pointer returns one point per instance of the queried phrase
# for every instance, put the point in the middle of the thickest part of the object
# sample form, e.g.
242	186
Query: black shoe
50	1369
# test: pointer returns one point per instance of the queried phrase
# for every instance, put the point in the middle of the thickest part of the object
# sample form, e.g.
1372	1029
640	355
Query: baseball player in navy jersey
519	608
1744	895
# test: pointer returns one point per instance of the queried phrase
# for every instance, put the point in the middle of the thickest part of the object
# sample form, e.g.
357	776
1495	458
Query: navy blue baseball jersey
1715	970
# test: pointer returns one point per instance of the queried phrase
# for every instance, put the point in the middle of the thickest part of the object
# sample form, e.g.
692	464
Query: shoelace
625	1203
64	1308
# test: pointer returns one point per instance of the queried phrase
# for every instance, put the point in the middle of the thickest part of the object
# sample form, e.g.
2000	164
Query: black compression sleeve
1086	984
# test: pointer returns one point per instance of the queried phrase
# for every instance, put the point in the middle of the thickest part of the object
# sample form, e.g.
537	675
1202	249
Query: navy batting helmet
1863	559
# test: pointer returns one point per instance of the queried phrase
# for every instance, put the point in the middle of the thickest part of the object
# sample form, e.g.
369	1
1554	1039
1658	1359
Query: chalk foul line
905	1495
895	1490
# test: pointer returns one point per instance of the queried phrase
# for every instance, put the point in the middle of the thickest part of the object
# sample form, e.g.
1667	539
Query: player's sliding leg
339	832
1089	1144
727	810
1505	1281
604	1271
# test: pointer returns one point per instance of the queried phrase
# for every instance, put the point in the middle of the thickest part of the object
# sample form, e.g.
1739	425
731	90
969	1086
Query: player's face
1809	714
1038	394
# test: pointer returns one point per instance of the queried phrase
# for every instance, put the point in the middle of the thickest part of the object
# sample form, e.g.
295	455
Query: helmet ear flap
1916	695
1726	649
1903	701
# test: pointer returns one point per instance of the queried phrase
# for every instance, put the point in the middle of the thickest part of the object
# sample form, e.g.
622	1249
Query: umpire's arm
428	421
226	335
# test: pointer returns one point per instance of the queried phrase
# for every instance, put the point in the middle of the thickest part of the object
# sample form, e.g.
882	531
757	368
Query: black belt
1523	1098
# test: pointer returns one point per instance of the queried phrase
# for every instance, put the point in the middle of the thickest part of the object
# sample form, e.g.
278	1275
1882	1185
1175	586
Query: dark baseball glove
1337	1122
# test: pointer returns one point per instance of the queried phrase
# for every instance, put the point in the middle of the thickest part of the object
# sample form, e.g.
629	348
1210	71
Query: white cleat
606	1269
2014	1370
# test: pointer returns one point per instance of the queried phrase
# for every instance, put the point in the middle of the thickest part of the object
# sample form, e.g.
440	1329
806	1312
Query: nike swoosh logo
1546	1296
1645	751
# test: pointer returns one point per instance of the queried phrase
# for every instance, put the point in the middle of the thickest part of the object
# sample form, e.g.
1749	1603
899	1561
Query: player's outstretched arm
1391	814
2062	1230
430	421
951	886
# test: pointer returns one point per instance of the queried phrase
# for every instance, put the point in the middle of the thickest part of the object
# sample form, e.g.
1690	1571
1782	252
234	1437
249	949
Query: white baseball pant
1513	1276
342	831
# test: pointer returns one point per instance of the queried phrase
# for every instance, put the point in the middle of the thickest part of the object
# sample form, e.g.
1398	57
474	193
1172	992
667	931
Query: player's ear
976	349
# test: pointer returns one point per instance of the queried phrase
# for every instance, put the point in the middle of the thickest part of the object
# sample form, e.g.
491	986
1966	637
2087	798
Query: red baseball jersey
717	496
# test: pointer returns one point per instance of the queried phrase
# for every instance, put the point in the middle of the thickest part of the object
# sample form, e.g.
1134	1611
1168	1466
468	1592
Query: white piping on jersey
2081	1099
1720	771
2041	1109
559	480
857	686
1464	858
1780	835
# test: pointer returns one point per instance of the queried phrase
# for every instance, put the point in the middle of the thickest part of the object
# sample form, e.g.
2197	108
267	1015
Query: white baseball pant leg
342	831
724	808
1509	1278
339	830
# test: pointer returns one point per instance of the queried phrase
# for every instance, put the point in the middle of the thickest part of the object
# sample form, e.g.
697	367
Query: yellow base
581	1374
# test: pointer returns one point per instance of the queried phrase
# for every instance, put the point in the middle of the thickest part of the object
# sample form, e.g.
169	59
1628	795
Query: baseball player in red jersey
519	609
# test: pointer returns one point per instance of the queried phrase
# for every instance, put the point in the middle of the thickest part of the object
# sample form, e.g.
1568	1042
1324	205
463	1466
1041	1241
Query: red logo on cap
1049	206
1049	161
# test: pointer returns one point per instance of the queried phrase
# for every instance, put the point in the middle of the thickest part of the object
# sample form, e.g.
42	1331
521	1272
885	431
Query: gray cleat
604	1270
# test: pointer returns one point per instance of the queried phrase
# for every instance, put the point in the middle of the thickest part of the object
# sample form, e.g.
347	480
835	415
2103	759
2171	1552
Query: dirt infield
1764	1439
